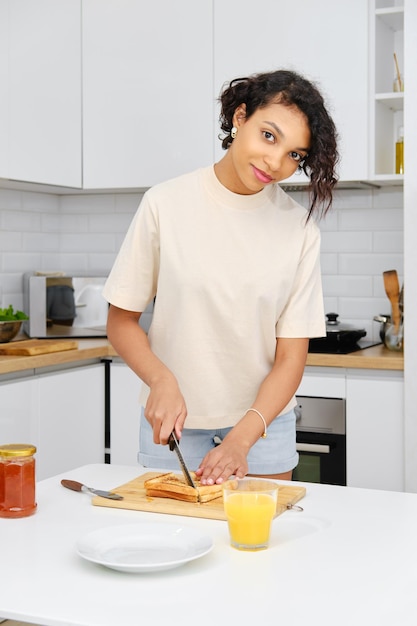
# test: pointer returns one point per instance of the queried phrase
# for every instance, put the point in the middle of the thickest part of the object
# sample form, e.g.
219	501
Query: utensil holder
394	336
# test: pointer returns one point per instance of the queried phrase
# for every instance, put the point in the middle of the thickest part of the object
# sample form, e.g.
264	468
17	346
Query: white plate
143	547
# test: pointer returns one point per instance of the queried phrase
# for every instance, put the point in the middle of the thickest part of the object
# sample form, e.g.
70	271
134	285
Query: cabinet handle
312	447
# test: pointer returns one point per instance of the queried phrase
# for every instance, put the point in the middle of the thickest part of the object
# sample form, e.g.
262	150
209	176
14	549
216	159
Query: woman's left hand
223	461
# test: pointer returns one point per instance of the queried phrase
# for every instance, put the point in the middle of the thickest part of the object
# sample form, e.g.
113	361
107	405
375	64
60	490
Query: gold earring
233	132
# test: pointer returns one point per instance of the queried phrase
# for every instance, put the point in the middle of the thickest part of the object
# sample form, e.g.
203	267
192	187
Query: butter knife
76	486
173	446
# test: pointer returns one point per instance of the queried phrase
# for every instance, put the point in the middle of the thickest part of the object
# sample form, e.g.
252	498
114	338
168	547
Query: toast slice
173	486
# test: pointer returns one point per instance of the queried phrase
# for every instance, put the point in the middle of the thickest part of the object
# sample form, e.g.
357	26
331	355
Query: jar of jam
17	480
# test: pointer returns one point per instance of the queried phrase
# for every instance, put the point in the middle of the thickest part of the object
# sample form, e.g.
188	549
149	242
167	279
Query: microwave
61	306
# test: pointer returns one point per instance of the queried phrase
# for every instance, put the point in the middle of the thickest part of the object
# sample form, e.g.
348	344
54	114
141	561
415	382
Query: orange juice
249	517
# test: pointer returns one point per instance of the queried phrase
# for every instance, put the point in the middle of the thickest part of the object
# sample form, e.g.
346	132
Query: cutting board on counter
33	347
135	498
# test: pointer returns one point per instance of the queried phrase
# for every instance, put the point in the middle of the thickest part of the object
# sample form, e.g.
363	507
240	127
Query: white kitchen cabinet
375	446
147	90
327	42
410	248
40	91
4	81
387	104
323	382
375	430
124	414
70	424
61	413
19	409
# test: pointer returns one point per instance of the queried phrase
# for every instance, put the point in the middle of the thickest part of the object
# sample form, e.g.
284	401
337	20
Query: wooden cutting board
33	347
134	498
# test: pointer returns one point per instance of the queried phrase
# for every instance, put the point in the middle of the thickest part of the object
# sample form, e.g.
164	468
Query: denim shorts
275	454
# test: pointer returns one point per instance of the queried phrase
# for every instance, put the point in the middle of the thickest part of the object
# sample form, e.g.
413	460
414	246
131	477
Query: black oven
321	440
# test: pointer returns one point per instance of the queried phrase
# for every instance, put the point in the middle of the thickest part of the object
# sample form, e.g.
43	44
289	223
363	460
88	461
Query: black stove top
322	348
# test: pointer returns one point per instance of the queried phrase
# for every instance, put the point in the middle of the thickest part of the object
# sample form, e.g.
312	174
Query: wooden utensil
135	498
401	300
392	289
397	69
34	347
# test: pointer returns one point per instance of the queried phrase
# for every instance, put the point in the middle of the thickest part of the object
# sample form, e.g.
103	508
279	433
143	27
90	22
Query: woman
234	264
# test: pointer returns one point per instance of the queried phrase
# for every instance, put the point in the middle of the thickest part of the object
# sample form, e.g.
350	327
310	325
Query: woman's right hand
165	409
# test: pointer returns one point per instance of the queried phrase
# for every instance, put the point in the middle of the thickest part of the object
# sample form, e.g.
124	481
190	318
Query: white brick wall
361	237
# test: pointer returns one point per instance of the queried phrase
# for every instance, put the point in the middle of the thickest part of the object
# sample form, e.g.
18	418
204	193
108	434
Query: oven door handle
313	447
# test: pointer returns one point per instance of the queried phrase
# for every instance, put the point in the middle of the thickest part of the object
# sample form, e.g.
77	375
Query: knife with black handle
173	446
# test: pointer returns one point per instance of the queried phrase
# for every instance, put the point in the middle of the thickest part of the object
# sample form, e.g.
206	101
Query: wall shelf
392	100
387	105
393	17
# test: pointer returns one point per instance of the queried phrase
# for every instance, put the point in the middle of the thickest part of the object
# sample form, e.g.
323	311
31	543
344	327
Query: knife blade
173	446
76	486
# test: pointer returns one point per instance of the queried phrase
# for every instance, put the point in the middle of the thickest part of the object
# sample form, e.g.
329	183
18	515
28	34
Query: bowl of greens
10	323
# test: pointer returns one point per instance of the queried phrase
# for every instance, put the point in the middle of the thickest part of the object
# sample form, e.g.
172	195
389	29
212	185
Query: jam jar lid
17	449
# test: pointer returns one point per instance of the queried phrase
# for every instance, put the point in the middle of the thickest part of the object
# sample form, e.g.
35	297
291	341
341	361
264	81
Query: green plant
10	315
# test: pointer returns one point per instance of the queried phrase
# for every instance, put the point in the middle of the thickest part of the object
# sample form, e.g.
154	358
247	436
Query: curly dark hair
290	89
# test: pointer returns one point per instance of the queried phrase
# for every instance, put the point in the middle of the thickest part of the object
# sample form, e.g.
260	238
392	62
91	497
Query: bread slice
173	486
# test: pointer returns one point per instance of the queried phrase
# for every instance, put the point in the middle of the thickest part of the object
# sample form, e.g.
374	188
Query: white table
349	559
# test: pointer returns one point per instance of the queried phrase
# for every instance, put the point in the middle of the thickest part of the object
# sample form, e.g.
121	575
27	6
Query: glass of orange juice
250	505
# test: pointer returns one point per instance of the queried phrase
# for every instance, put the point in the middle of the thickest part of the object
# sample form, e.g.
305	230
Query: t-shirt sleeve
132	282
303	315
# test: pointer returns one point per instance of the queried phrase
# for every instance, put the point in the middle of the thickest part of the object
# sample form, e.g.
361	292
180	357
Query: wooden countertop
375	358
88	349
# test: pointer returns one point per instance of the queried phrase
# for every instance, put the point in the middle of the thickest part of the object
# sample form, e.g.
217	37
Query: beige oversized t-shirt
230	274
